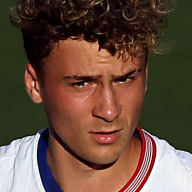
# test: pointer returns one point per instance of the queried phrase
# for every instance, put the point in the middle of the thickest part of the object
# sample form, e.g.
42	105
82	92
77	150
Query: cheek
64	109
132	100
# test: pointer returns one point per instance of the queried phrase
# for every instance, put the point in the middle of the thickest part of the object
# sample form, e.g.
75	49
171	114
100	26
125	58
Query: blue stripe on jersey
48	181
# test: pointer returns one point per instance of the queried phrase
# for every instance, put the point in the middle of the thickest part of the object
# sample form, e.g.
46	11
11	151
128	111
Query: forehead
81	57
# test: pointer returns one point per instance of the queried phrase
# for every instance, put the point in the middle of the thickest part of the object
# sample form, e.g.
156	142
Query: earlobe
32	84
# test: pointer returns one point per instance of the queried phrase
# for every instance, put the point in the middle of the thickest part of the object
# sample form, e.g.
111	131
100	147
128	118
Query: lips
106	137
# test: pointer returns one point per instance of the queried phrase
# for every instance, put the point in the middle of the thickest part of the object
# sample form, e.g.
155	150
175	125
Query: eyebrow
96	77
126	75
83	77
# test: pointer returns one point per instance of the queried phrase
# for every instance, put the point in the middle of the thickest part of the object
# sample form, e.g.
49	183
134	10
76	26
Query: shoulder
9	153
172	168
166	151
12	150
17	162
186	159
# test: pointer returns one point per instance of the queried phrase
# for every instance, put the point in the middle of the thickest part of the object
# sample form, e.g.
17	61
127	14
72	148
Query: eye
124	79
80	84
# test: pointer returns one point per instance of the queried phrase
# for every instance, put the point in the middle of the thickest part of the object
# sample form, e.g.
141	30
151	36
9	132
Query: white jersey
161	168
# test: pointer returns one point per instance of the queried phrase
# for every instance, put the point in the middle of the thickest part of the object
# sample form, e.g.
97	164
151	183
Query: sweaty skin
93	102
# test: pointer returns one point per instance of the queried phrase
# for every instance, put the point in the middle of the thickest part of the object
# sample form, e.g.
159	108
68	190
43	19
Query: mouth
106	137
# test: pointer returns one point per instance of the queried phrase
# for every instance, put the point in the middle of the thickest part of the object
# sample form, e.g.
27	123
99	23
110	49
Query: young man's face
92	99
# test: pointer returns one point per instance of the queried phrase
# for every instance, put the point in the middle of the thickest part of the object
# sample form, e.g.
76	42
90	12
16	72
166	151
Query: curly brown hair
117	25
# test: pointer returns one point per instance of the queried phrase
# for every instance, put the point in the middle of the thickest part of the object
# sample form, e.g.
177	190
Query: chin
102	160
105	155
100	163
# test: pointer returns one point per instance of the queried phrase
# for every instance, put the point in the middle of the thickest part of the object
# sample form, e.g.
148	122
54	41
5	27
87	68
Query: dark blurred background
167	110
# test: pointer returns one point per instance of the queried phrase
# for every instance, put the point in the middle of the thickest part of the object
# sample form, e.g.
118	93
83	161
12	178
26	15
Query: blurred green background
167	109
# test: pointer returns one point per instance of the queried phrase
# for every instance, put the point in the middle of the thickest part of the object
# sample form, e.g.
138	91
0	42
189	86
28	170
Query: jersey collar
145	165
137	181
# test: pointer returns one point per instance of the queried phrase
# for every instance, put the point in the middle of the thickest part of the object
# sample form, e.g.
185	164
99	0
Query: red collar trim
145	165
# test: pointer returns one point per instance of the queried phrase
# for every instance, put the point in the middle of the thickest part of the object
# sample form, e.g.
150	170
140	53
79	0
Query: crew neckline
135	183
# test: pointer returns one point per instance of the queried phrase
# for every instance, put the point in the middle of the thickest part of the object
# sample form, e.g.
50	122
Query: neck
72	173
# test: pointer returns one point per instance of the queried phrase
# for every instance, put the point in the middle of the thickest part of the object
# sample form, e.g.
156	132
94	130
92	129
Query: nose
107	106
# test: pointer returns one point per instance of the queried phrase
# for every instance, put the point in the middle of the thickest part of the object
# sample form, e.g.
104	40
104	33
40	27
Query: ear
32	84
146	77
